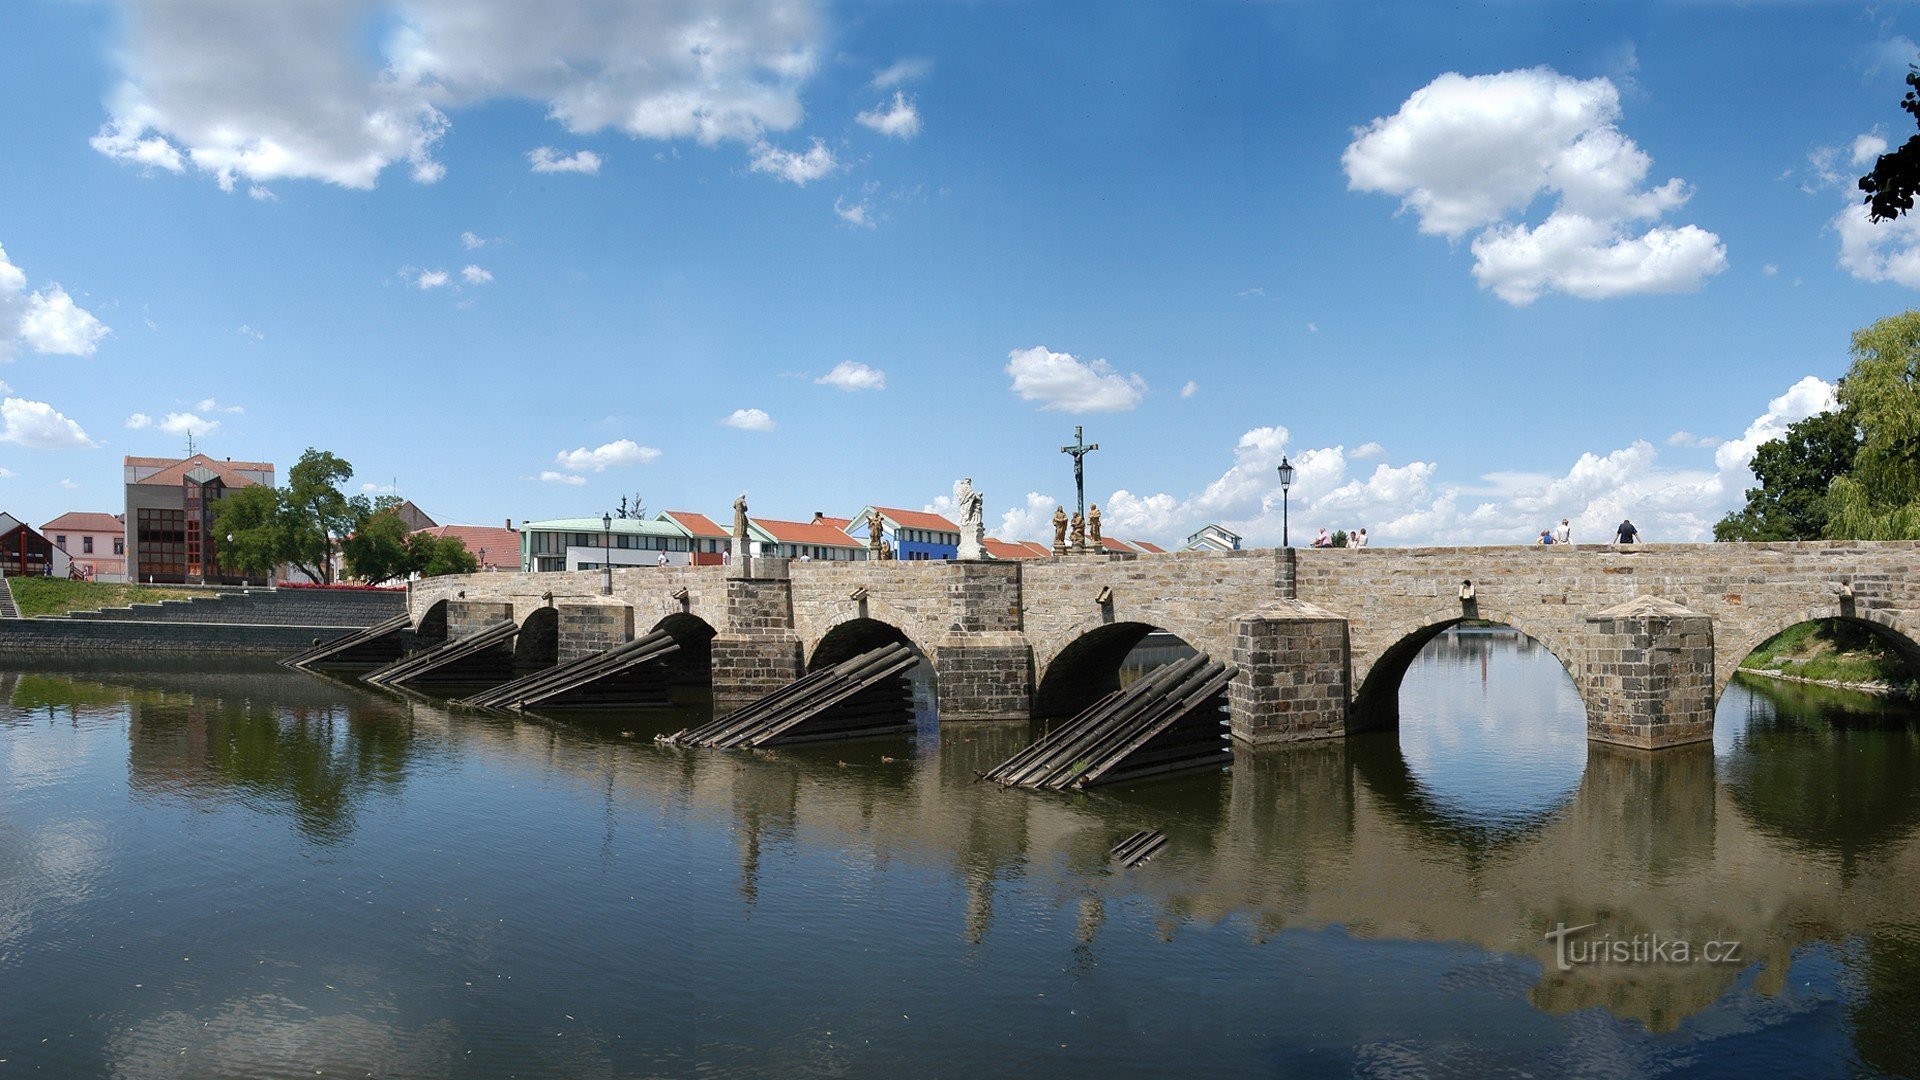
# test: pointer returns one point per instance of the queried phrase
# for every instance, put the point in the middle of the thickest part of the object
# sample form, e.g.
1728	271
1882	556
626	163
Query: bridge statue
1093	528
1059	530
1078	536
972	529
740	527
875	526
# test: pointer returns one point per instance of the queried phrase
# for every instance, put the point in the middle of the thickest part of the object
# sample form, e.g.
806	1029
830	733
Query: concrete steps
8	609
261	607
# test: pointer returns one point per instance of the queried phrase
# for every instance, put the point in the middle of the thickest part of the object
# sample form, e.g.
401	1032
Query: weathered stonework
757	651
466	618
586	629
1649	675
1292	682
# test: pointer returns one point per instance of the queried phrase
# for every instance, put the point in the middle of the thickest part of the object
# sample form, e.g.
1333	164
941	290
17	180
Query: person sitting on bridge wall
1626	533
1545	538
1323	540
1563	533
1357	538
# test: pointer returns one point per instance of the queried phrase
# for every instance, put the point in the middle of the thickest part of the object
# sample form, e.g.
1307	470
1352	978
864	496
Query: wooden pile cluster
382	643
1172	720
867	695
1138	848
624	675
485	655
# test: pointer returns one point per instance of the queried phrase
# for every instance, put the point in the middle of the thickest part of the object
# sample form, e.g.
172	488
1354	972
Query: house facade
710	542
95	542
813	541
916	535
169	516
494	547
26	553
593	543
1212	537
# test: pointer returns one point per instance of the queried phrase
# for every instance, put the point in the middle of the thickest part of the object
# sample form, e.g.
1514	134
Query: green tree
315	515
248	526
1879	498
1895	178
1795	472
379	550
437	555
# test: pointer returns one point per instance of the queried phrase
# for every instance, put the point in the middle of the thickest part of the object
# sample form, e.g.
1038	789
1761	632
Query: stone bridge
1651	635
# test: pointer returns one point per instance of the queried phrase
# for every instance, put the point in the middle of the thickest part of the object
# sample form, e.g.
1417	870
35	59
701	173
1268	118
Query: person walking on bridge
1626	533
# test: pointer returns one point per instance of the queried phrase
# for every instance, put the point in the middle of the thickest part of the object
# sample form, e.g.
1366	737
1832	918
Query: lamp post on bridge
1286	483
1079	450
606	551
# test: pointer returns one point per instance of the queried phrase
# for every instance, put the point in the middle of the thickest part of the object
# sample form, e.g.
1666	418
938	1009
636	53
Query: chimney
509	523
817	515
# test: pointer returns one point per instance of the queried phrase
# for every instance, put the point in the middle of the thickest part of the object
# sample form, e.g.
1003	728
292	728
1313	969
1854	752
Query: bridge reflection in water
1407	877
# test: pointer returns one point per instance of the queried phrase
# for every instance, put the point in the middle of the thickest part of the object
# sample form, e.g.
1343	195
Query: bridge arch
1377	675
846	640
1089	666
432	625
1732	651
692	665
537	645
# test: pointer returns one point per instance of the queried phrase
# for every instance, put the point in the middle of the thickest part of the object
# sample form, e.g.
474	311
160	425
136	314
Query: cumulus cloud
548	160
1367	451
1033	520
853	375
39	426
473	241
240	90
180	423
210	405
900	71
430	279
1475	153
43	321
1407	503
617	453
859	215
899	119
798	168
551	477
1696	442
1190	389
474	275
139	420
1063	383
749	420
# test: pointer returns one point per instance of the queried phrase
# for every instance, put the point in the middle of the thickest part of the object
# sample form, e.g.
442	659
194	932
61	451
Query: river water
254	872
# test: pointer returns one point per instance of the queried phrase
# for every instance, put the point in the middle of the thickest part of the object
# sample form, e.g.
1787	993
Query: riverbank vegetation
1833	651
59	596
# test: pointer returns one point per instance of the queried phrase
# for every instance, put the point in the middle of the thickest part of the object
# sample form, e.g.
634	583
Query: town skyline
1512	267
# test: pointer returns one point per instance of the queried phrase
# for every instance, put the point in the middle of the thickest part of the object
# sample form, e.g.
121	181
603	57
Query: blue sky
1434	256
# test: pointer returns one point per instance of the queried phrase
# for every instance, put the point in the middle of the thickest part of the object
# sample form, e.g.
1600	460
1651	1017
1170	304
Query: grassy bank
1833	651
57	596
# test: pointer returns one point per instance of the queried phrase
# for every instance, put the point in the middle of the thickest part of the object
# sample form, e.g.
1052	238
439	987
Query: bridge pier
466	618
985	665
1293	681
757	652
1649	675
586	629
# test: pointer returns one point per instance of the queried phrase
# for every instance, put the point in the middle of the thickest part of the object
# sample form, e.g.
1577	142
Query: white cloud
620	452
1878	251
236	89
749	420
139	420
38	425
1063	383
900	71
899	119
853	375
210	405
1031	521
253	336
7	474
380	489
44	321
1190	389
1770	269
473	241
474	275
1367	451
1475	153
546	159
69	485
430	279
551	477
1867	149
1406	504
1695	442
859	215
180	423
796	168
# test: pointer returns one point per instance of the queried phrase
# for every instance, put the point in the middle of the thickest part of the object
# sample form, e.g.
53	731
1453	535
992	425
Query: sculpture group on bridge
1077	536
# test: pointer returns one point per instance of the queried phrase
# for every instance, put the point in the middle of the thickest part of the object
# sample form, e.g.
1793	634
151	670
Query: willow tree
1879	498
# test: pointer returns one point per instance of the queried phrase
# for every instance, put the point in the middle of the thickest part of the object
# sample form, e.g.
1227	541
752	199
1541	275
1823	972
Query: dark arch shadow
1090	667
692	665
432	628
850	639
537	645
1376	704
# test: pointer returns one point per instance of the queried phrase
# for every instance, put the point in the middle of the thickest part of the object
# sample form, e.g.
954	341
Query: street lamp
606	551
1286	482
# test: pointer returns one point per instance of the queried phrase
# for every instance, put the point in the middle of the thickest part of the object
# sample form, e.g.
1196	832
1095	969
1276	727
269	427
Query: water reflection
571	852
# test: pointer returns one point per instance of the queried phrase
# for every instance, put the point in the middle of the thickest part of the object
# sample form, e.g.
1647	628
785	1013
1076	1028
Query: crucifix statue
1079	450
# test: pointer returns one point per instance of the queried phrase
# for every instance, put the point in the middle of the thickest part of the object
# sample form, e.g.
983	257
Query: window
119	545
61	539
86	545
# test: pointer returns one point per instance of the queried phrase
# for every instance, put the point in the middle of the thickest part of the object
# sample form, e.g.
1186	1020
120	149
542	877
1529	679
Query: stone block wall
1649	676
466	618
756	651
586	629
1292	683
984	677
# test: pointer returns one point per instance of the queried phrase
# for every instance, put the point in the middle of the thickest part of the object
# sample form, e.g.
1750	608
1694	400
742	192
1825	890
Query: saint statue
1059	530
1079	533
886	550
1093	528
875	527
972	526
740	548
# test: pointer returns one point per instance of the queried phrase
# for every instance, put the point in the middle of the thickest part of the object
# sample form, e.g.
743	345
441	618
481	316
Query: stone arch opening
1376	702
1841	630
855	636
537	645
692	665
1101	661
432	627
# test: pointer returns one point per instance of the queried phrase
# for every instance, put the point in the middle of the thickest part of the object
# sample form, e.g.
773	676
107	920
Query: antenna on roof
190	449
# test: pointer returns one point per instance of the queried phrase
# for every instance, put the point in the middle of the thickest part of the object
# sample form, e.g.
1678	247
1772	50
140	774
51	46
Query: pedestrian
662	560
1545	538
1358	539
1563	533
1323	539
1626	533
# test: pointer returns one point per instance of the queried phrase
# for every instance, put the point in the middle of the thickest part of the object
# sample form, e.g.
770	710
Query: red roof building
96	542
808	540
170	512
495	548
1013	549
710	541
